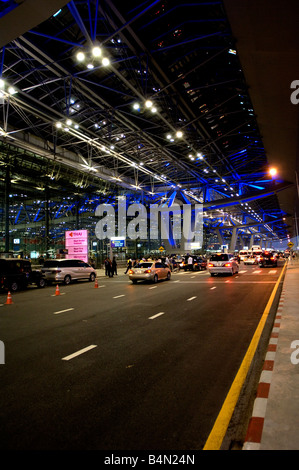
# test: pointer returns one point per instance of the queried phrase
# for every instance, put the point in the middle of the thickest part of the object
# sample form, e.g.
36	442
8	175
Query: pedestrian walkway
274	424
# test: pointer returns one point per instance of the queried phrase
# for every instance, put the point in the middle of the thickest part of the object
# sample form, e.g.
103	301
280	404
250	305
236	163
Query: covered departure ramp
155	101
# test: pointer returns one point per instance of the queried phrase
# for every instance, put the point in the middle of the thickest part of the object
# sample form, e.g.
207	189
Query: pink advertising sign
76	242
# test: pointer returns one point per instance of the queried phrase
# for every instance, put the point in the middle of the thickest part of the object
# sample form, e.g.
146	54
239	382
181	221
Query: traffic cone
57	292
9	299
96	283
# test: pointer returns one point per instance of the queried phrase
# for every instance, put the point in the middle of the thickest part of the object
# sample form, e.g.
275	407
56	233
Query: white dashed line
155	287
157	315
191	298
118	296
61	311
82	351
213	288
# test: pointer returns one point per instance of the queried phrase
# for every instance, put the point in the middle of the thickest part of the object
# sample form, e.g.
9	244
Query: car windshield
220	257
51	264
143	265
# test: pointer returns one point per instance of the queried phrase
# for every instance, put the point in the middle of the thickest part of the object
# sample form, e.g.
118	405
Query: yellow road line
219	429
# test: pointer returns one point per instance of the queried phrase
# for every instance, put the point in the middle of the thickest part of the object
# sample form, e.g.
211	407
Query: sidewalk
275	418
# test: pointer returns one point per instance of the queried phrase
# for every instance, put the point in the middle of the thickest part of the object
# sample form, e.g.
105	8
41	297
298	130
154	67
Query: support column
233	240
220	236
6	204
77	212
47	221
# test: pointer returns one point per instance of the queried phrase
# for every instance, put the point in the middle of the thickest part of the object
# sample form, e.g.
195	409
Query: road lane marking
243	271
154	287
191	298
61	311
157	315
221	424
81	351
273	271
213	288
256	272
118	296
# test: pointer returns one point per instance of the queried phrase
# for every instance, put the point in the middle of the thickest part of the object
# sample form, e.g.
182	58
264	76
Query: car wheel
134	281
14	286
67	280
92	277
41	283
168	276
155	278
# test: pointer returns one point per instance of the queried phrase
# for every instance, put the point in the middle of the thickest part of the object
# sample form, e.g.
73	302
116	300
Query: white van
67	270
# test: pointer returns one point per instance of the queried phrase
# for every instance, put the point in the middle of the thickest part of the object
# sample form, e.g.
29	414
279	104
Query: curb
255	428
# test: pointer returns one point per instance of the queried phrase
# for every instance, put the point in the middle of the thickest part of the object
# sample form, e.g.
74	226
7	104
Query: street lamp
273	172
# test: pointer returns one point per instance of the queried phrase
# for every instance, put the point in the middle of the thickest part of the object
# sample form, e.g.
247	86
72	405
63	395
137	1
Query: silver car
223	263
67	270
149	271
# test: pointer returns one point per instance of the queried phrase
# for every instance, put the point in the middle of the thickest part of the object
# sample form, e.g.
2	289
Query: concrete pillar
233	240
219	235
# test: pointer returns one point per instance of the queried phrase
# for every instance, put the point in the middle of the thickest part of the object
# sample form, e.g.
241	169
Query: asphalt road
123	366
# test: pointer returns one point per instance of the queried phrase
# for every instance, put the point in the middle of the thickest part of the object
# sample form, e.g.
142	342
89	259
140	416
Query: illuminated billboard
76	243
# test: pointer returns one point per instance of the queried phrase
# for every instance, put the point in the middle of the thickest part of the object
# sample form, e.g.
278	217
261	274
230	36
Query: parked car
251	260
149	271
267	259
223	263
67	270
16	274
243	254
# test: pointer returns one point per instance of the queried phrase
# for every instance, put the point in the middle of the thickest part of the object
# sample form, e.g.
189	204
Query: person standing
190	263
113	267
107	266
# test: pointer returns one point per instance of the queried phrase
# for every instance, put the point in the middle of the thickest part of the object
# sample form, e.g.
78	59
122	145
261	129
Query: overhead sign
76	243
117	242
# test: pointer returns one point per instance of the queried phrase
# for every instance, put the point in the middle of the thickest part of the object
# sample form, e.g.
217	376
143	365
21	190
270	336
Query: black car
16	274
267	259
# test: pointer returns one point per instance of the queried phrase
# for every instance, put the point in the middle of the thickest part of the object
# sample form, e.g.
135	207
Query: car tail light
147	271
131	271
227	265
211	265
272	257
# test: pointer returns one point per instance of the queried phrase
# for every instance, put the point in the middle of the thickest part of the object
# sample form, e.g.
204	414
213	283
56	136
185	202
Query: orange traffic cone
9	299
96	283
57	292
